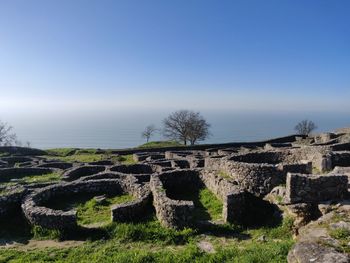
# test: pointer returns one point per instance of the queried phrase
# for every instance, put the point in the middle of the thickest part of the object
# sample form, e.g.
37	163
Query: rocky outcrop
305	252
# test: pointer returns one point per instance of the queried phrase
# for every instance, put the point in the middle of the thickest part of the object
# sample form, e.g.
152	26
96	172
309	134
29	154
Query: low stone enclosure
36	205
168	188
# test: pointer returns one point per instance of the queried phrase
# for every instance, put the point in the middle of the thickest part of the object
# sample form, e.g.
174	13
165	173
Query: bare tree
149	132
7	137
305	127
198	128
186	126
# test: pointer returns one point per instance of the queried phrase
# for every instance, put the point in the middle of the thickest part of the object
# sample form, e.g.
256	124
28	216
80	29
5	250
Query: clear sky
256	55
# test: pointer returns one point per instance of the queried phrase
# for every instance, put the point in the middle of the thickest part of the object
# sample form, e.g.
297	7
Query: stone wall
239	206
57	165
7	174
340	158
12	160
133	169
35	205
136	209
232	196
149	156
173	213
10	200
182	164
81	171
301	188
21	151
37	211
258	179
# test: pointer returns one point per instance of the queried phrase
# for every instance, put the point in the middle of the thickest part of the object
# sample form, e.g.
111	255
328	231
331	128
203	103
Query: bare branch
186	126
7	138
149	132
305	127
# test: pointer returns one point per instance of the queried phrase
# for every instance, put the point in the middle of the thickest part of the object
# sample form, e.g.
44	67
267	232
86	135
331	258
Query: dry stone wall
301	188
81	171
170	212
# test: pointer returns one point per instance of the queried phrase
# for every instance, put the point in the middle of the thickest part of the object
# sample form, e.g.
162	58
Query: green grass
40	233
158	144
147	241
44	178
206	205
126	159
343	236
89	211
82	158
116	251
211	204
282	231
94	212
77	155
61	151
51	177
87	156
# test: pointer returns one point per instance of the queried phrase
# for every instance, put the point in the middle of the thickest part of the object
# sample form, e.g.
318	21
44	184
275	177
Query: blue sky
240	55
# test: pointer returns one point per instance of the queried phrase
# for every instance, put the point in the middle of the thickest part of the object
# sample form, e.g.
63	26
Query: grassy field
158	144
86	156
149	242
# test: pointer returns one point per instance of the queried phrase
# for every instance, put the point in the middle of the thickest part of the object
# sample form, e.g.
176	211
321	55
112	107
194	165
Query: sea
123	128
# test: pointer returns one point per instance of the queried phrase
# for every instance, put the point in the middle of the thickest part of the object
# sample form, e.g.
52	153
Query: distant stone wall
182	164
227	151
12	160
147	156
133	169
57	165
195	161
81	171
340	158
103	175
16	173
302	188
21	150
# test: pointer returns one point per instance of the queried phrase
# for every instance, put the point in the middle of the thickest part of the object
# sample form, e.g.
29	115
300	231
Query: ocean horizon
123	129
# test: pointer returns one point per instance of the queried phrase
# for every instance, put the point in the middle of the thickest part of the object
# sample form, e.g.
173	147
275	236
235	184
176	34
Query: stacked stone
10	200
303	188
173	213
81	171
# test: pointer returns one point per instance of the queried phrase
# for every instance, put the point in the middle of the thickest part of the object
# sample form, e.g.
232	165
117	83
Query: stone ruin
243	177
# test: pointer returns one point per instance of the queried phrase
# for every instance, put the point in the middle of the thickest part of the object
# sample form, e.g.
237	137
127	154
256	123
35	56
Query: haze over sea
102	129
94	74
